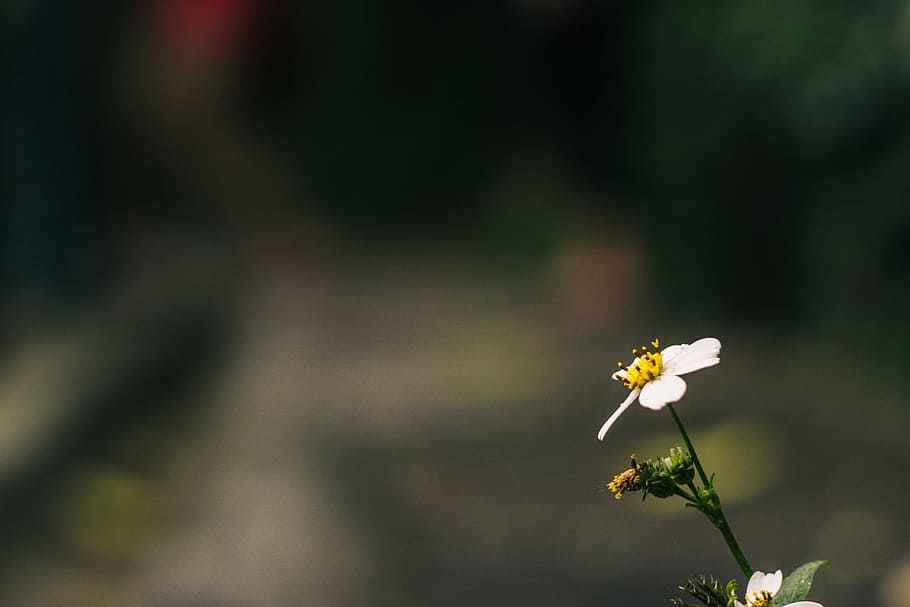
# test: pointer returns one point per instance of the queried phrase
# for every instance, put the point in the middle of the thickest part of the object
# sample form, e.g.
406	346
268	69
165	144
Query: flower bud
680	466
706	592
707	495
657	477
656	480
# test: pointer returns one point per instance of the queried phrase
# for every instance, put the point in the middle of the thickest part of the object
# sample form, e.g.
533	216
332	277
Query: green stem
685	435
690	497
711	504
725	530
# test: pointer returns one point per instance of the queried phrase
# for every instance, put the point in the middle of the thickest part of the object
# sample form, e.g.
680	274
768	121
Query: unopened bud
656	480
679	466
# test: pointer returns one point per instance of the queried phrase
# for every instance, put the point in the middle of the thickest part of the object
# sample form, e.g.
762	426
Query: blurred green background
315	303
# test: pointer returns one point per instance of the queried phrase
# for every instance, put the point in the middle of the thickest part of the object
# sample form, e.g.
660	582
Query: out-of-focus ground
317	303
414	430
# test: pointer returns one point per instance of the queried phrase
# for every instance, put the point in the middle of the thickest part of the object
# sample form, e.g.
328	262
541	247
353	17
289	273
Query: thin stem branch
688	496
711	505
685	435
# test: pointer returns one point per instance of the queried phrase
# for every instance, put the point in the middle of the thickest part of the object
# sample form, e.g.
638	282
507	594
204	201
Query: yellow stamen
645	369
760	599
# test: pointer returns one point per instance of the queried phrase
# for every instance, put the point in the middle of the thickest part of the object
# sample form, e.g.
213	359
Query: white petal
755	584
622	407
764	581
700	354
773	581
670	352
738	604
665	389
804	604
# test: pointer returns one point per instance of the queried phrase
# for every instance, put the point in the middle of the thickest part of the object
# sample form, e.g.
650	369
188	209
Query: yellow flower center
644	368
760	599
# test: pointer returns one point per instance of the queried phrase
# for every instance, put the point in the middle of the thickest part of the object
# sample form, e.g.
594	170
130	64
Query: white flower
653	377
763	586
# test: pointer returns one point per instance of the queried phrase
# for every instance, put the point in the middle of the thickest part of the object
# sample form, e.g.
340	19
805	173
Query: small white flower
763	586
654	377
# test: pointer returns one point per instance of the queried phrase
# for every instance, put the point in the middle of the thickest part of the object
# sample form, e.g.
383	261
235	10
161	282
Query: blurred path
391	432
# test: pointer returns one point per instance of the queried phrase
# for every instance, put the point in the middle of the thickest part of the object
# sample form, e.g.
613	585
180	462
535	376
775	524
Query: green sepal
730	590
795	586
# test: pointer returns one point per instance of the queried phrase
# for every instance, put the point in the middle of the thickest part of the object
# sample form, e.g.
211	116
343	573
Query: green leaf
796	586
